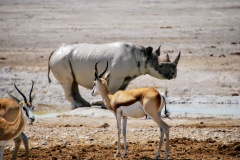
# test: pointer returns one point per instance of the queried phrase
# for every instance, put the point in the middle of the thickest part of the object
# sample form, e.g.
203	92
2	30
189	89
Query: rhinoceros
73	65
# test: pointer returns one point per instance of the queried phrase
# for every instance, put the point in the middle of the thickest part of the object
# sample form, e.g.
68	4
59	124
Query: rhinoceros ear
148	52
158	51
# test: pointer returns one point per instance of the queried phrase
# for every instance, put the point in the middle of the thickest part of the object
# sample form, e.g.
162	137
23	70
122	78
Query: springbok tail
167	113
166	92
49	80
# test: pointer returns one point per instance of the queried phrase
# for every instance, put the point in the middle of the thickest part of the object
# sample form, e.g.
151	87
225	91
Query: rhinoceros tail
49	80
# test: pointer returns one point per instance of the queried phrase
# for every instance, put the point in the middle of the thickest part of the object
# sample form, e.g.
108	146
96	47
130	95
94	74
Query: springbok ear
14	98
158	50
107	76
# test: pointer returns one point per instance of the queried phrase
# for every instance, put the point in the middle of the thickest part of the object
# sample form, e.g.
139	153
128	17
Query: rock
222	55
210	140
3	58
235	53
105	125
65	144
44	142
235	94
150	141
236	148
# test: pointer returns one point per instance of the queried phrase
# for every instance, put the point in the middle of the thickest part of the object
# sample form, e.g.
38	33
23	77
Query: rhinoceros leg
78	100
99	103
72	94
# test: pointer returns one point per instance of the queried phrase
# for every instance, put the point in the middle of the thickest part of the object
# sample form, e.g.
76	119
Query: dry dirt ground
74	137
206	32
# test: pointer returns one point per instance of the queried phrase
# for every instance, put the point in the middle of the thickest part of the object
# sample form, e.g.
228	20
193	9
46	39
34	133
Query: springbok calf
134	103
13	118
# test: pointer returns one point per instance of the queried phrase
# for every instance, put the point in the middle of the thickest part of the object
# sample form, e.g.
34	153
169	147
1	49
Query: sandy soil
206	32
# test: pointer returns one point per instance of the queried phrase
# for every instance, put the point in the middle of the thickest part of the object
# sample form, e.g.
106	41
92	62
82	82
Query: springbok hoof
156	158
116	155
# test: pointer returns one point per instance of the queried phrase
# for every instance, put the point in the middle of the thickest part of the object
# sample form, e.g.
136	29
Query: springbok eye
26	112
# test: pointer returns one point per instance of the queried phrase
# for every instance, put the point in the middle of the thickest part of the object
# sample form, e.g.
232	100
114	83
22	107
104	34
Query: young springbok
134	103
13	118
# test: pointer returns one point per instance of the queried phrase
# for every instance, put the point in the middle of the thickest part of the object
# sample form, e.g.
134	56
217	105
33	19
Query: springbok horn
25	99
30	94
177	59
96	71
100	76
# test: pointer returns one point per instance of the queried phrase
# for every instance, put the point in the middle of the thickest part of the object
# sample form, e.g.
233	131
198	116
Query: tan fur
11	126
8	106
143	95
127	97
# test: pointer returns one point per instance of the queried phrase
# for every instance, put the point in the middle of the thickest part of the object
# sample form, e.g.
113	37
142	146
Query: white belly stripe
162	99
135	110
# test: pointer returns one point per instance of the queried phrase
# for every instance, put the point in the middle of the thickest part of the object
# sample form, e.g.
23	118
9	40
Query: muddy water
176	110
51	114
205	108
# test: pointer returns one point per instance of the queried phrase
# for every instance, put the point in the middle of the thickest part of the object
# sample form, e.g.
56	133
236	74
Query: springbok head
100	82
166	69
25	105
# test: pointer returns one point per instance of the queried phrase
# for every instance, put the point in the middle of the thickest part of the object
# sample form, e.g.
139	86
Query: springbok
133	103
72	65
13	118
